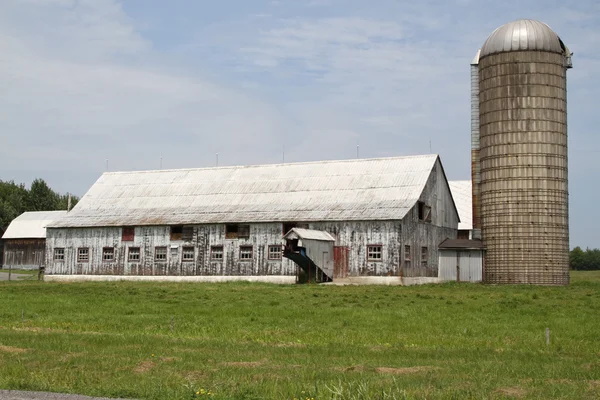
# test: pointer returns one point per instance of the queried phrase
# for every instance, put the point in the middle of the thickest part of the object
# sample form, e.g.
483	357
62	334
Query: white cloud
84	80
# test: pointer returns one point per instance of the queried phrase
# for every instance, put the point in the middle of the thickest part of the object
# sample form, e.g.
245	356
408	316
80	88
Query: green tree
576	258
15	199
41	197
584	260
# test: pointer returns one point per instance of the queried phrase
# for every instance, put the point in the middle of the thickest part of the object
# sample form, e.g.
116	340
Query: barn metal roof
462	194
523	34
32	225
309	234
461	244
359	189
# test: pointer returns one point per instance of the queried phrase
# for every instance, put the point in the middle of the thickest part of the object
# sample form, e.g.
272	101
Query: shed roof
461	192
359	189
32	224
461	244
309	234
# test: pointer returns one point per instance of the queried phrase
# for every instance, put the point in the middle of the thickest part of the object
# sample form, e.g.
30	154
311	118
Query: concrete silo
519	154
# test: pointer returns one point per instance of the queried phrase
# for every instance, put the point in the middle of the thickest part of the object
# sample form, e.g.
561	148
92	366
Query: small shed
312	250
461	260
25	239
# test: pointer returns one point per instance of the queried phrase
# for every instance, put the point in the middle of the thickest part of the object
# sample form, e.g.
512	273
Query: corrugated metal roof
360	189
465	244
309	234
461	192
31	225
523	34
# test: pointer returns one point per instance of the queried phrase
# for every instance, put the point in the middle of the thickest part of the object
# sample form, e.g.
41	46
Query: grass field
258	341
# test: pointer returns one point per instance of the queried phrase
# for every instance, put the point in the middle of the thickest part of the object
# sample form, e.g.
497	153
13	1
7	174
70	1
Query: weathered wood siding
393	236
24	253
149	237
418	234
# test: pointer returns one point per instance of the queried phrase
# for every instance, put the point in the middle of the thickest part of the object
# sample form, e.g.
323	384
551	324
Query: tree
16	199
41	197
576	258
584	260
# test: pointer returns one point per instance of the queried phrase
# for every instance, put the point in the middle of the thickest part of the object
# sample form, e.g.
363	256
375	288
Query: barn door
340	261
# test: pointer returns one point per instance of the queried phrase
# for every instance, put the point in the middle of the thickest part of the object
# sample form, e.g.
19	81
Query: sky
88	86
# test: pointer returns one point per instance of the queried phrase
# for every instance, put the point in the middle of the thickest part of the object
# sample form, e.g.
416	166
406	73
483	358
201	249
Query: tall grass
259	341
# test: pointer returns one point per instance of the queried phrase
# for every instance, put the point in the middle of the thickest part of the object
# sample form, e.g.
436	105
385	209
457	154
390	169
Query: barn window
245	252
108	254
134	254
235	231
128	234
424	254
176	232
374	252
83	254
188	254
160	254
424	212
59	254
187	234
275	252
287	226
216	253
407	257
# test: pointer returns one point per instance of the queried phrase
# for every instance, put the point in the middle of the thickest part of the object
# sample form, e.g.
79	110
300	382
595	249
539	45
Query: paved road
4	277
19	395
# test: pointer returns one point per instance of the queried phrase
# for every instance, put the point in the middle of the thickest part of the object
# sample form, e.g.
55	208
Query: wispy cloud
87	80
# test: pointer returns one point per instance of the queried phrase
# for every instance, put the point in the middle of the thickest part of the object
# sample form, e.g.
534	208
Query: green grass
258	341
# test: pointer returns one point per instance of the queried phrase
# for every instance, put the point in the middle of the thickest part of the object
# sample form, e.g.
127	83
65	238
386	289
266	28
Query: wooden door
341	258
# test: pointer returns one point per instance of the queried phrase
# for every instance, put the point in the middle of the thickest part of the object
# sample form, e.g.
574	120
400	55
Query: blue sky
84	81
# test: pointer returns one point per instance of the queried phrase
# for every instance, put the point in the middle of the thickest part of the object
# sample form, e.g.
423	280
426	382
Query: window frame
407	255
187	233
245	248
79	255
166	254
186	250
213	252
424	212
104	253
279	252
424	260
127	233
62	256
139	254
241	231
176	232
370	253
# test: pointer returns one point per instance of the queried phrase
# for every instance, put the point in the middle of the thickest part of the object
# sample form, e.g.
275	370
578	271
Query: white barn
24	241
387	217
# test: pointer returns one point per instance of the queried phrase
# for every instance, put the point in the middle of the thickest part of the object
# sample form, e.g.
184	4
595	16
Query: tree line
16	199
584	260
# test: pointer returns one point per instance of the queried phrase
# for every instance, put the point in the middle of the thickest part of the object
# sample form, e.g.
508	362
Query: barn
381	218
24	241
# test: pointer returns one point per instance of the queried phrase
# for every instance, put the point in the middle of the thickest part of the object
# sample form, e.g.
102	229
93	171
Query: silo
523	155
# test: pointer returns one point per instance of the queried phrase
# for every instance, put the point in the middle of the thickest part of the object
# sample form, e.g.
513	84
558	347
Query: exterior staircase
311	270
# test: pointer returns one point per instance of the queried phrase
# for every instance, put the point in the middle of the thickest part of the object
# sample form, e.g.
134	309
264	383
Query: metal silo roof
523	34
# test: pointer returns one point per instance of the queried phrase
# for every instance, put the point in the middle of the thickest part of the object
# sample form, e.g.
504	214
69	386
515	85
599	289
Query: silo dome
523	35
